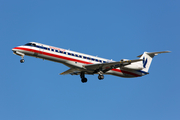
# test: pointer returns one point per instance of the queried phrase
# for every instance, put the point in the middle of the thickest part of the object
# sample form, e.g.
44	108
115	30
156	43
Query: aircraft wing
70	71
94	68
108	66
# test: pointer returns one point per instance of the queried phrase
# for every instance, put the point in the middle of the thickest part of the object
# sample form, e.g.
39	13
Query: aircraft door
41	49
36	52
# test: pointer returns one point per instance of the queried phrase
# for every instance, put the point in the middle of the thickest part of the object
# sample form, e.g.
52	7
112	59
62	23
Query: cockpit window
28	44
33	44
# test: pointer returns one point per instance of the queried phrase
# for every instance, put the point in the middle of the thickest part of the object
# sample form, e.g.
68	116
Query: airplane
81	64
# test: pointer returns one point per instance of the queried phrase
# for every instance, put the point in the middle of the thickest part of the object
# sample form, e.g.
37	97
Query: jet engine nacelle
133	66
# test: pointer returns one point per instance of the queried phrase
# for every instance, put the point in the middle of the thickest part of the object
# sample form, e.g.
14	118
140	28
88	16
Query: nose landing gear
22	60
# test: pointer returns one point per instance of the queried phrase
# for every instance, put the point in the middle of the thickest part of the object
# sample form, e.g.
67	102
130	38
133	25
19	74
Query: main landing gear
100	77
84	80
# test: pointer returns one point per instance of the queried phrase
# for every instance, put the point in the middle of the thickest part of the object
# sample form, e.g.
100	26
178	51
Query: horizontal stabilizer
152	54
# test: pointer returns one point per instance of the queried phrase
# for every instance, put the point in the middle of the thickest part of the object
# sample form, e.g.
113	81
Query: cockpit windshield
30	44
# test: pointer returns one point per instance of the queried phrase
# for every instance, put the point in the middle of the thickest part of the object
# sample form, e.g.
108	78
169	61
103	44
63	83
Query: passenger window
76	55
100	60
48	48
61	51
72	54
56	50
92	59
64	52
80	56
52	49
69	53
96	60
84	57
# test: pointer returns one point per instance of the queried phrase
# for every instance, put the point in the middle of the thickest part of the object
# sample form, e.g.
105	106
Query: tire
22	60
100	77
84	80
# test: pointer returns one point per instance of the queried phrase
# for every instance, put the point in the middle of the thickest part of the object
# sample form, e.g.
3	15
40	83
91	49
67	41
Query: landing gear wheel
84	80
22	60
100	77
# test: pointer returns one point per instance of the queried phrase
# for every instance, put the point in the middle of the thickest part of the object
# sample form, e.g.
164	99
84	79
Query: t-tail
147	59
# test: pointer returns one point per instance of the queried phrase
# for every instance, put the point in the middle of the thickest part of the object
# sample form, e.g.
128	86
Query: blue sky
110	29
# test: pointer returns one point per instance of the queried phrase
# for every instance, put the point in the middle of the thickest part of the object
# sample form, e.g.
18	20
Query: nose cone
14	49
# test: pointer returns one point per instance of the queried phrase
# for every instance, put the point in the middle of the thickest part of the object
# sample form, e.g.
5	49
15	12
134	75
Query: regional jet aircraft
81	64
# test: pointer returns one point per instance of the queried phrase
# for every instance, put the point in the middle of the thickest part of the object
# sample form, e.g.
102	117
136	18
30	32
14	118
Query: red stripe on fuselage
52	55
71	59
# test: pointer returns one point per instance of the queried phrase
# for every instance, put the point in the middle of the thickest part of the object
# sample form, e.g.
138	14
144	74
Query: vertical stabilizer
147	59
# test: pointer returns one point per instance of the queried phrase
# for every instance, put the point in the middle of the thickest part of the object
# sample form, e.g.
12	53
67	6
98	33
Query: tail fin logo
144	62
